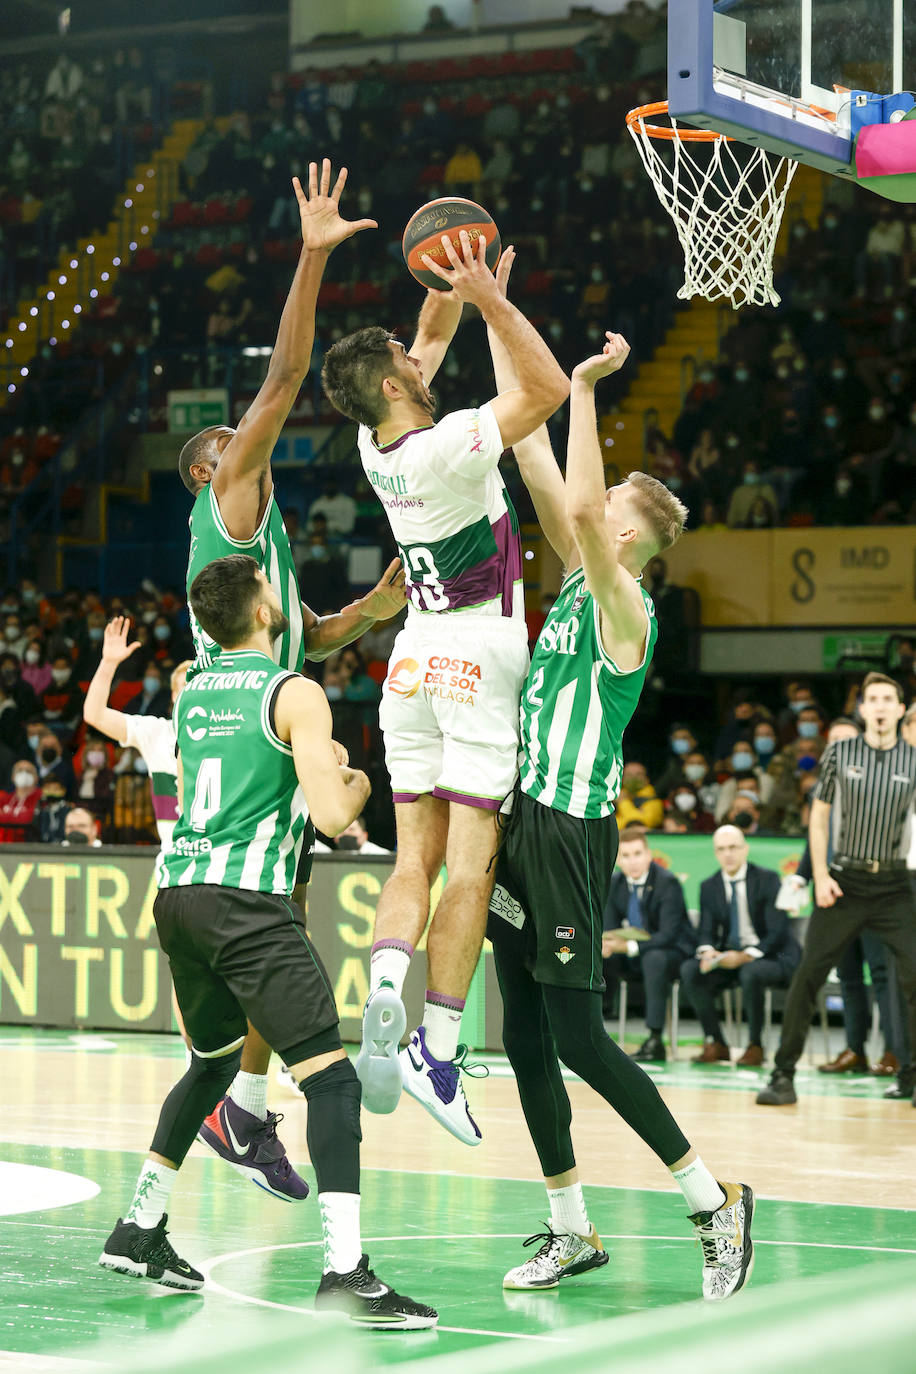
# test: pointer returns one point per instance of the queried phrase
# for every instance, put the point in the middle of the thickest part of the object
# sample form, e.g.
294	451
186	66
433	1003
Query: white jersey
449	511
153	737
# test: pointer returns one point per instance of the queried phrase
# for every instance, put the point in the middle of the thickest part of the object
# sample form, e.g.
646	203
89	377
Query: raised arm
436	327
96	711
242	482
624	618
542	385
534	455
335	793
325	633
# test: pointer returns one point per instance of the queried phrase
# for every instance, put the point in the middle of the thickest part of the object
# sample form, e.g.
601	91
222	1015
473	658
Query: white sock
249	1091
567	1210
443	1026
151	1197
389	964
343	1248
700	1189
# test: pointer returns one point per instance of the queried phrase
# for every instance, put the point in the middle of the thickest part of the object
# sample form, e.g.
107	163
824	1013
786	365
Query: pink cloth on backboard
886	149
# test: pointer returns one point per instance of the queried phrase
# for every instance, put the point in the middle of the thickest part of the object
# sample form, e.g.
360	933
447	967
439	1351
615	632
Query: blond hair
664	515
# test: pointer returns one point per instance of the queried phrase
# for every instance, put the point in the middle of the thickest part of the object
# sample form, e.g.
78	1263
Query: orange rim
660	107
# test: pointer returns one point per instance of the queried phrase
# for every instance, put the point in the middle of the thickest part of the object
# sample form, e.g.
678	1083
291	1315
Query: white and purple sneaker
436	1085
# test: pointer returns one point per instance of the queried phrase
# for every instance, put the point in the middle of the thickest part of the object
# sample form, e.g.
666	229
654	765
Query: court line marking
208	1266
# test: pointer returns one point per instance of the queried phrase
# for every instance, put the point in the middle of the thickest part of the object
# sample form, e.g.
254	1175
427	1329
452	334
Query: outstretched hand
388	596
503	269
610	359
469	276
115	647
319	211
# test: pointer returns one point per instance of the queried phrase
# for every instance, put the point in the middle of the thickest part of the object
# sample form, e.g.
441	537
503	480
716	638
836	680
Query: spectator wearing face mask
14	639
15	687
95	777
790	765
744	811
681	742
798	695
687	813
356	838
53	764
846	499
36	670
81	828
89	644
49	820
153	699
752	489
743	718
61	702
18	807
699	776
809	723
748	773
638	803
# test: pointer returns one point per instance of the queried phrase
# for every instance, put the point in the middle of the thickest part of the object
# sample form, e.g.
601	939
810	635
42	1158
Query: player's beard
420	394
279	624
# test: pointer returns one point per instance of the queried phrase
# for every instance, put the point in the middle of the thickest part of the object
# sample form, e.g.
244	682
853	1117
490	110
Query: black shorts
239	956
553	875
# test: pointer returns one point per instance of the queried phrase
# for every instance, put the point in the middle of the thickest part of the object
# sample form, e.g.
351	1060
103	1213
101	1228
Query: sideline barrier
78	943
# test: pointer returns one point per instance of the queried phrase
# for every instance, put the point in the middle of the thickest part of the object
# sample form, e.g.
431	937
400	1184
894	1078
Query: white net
726	200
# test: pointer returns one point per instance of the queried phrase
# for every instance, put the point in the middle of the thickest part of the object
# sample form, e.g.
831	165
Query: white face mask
32	655
96	758
24	779
685	801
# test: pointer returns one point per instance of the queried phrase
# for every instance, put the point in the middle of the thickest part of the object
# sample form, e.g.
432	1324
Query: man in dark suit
649	900
744	939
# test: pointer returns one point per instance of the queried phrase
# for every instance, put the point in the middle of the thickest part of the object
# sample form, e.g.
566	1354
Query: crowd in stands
755	769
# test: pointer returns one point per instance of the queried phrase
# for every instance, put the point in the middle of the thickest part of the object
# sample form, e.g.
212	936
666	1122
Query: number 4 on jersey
207	790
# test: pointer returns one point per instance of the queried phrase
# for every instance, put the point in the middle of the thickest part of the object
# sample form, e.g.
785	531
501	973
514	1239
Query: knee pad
191	1100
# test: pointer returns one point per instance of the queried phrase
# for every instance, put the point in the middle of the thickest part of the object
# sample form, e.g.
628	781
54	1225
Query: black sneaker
146	1254
779	1092
651	1051
370	1302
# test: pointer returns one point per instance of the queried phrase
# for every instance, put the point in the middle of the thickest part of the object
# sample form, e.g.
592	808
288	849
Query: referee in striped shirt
865	886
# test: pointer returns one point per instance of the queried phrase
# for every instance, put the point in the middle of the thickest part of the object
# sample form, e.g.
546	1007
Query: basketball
449	216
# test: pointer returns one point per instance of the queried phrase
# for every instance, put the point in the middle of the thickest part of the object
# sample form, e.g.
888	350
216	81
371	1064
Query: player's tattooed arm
534	455
242	481
436	328
324	634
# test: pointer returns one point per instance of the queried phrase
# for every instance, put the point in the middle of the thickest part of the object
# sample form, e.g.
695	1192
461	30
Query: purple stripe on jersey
396	443
491	578
483	803
408	796
165	808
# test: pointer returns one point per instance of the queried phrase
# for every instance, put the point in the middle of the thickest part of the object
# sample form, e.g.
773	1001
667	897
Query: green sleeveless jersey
243	813
269	547
575	706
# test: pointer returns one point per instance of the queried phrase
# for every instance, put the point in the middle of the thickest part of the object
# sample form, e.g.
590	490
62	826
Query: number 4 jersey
244	814
450	514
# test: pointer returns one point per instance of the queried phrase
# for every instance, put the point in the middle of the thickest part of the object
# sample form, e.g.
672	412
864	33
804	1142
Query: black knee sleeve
333	1132
192	1098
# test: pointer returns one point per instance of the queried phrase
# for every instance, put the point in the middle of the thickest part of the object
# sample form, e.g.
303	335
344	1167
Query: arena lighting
261	352
73	262
90	247
139	185
116	262
144	228
50	296
9	343
33	310
132	246
65	324
609	443
11	387
22	327
62	281
150	171
620	425
528	555
104	276
77	309
52	341
93	293
156	214
128	203
23	372
157	370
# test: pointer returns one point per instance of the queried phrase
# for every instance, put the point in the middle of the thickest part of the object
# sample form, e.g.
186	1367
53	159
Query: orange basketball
449	216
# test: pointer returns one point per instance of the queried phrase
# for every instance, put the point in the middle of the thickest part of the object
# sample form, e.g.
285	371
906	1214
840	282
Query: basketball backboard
768	71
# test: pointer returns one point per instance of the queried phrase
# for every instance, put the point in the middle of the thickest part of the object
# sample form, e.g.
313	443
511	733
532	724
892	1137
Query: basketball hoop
726	200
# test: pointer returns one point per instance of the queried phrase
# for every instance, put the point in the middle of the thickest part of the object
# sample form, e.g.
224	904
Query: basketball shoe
370	1302
377	1067
436	1085
147	1254
251	1146
562	1255
725	1239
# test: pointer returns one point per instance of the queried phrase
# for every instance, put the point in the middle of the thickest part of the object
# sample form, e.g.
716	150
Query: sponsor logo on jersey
566	932
855	772
196	732
383	481
404	678
559	636
564	954
474	431
501	904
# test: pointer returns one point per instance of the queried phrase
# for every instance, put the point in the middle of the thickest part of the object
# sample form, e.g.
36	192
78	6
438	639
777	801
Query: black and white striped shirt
876	788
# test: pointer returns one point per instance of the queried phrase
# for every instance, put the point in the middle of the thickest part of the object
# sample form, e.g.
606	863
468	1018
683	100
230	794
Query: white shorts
449	711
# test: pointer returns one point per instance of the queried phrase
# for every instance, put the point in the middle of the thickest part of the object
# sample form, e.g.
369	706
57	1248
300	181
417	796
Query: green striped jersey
576	704
269	547
243	813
